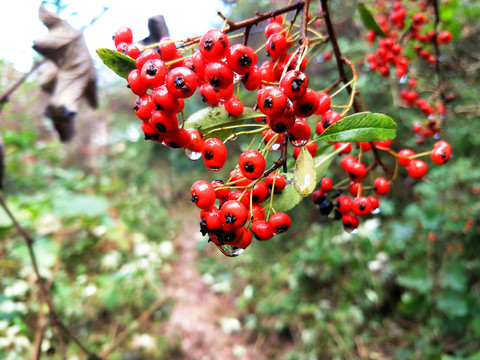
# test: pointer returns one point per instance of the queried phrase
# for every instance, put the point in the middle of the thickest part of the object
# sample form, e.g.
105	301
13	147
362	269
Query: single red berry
283	122
307	105
238	195
311	146
256	212
326	184
144	106
165	124
300	132
273	28
374	202
403	156
132	51
356	189
136	84
199	65
234	106
261	230
279	223
441	152
214	45
346	160
239	179
196	140
346	146
226	94
167	49
179	140
273	102
361	206
214	153
210	220
221	191
233	214
350	222
150	132
276	46
259	192
149	54
252	164
381	186
294	84
153	73
267	71
252	80
182	82
244	241
324	103
276	180
123	35
241	58
444	37
343	204
208	94
417	168
356	171
330	117
219	75
202	194
165	101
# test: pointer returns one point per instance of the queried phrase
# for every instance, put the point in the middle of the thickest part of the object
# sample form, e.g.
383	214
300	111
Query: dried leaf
70	76
305	178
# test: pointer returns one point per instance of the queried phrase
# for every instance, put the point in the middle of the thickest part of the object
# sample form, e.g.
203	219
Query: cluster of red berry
233	211
390	53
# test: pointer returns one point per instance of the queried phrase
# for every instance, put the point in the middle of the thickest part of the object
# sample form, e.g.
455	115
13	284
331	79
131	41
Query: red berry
234	106
167	49
214	45
165	124
202	194
252	80
330	117
150	132
123	34
279	181
208	94
381	186
276	46
196	140
350	222
283	122
261	230
241	58
136	84
214	153
165	101
256	212
444	37
221	192
273	102
294	84
279	223
356	171
404	155
441	152
149	54
252	164
219	75
182	82
324	102
153	73
259	192
307	105
210	220
343	204
326	184
144	106
273	28
179	140
300	132
417	168
361	206
233	214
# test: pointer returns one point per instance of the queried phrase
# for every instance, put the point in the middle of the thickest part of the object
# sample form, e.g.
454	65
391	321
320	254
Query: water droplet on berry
376	211
193	155
275	147
403	79
230	250
298	143
354	232
436	136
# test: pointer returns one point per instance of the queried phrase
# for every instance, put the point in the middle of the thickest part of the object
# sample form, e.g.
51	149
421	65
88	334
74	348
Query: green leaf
121	64
80	205
289	198
369	21
363	126
211	121
304	176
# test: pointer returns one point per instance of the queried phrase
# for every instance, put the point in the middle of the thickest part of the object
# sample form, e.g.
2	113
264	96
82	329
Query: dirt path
197	313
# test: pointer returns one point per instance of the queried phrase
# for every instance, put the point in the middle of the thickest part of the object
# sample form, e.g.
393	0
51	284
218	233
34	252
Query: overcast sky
19	24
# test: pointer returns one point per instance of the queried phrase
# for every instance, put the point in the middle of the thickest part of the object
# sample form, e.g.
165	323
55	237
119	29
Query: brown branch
252	21
54	319
282	160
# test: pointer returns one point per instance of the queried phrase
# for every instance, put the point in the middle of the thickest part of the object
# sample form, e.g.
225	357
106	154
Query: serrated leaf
289	198
369	21
212	121
121	64
304	176
363	126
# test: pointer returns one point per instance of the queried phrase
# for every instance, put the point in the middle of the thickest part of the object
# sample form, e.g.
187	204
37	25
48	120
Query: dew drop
436	136
403	79
230	250
299	143
192	155
354	231
275	147
376	211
